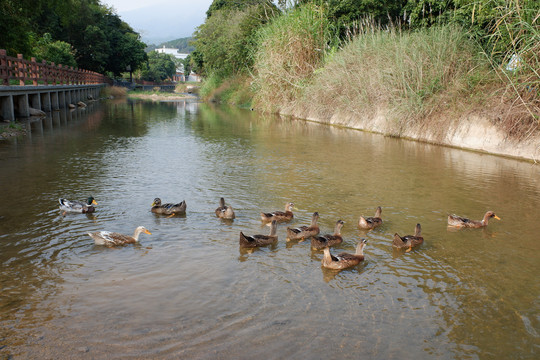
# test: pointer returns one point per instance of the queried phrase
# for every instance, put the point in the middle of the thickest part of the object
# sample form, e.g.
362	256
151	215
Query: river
188	291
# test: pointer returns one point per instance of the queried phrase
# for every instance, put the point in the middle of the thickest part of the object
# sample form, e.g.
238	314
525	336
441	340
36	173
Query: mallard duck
409	241
344	260
78	206
320	242
169	208
252	241
371	222
303	232
108	238
224	211
279	216
458	221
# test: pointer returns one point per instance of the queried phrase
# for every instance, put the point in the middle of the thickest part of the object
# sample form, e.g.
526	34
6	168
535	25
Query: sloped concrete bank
470	132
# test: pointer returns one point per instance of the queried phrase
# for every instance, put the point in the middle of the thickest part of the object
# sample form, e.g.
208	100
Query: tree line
225	42
79	33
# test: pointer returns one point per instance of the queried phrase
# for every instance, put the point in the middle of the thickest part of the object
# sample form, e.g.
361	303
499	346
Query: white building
172	51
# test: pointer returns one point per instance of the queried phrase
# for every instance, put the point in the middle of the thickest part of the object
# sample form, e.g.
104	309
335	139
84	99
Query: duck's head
157	202
339	225
91	201
360	247
142	229
491	214
289	206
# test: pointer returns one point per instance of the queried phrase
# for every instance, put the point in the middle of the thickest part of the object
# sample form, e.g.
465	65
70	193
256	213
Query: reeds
513	48
408	74
289	50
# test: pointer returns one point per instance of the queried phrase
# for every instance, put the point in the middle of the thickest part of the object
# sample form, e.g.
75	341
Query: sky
161	20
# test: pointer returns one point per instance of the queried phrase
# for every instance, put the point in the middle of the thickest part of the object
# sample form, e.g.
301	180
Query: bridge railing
24	71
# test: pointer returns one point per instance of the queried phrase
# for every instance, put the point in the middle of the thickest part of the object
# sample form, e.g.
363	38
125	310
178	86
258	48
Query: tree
59	52
225	42
159	67
101	41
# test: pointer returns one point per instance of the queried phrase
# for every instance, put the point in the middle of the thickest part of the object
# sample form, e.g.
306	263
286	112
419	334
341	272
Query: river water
188	291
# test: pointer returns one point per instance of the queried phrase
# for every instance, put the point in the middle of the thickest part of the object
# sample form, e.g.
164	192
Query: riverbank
473	131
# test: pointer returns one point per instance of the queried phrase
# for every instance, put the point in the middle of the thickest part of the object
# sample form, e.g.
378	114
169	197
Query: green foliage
211	83
289	50
225	41
234	5
15	27
59	52
160	67
345	13
101	41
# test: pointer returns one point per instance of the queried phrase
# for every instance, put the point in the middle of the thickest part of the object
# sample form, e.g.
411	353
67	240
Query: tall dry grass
408	74
289	51
514	52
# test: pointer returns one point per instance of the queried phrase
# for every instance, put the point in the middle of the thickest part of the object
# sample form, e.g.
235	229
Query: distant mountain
181	44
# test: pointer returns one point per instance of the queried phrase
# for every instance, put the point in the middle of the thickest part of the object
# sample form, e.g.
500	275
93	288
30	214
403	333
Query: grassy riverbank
427	78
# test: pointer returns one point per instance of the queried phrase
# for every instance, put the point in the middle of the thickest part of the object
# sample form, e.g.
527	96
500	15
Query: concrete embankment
471	132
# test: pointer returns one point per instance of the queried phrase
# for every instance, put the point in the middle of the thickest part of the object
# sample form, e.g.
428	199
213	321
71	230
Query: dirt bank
472	132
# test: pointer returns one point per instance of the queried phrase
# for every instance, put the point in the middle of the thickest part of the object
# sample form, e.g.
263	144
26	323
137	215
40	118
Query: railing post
20	67
34	74
4	74
61	73
45	72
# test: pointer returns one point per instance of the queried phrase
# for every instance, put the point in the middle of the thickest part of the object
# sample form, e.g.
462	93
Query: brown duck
344	260
279	216
169	208
409	241
303	232
224	211
371	222
253	241
320	242
458	221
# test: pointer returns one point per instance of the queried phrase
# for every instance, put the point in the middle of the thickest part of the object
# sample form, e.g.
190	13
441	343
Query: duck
279	216
344	260
320	242
169	208
409	241
224	211
247	241
109	238
303	232
371	222
458	221
78	206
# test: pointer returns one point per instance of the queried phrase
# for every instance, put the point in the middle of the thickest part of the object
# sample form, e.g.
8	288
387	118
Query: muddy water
188	291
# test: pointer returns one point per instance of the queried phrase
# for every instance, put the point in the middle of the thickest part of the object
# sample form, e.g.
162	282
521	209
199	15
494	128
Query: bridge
27	85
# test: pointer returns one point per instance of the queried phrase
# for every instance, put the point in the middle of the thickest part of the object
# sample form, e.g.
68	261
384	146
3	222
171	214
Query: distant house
172	51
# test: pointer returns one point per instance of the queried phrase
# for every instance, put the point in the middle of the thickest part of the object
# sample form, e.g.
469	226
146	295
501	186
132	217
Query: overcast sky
161	20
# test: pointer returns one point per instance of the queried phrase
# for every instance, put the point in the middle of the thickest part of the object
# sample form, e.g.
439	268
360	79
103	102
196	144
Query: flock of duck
318	242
